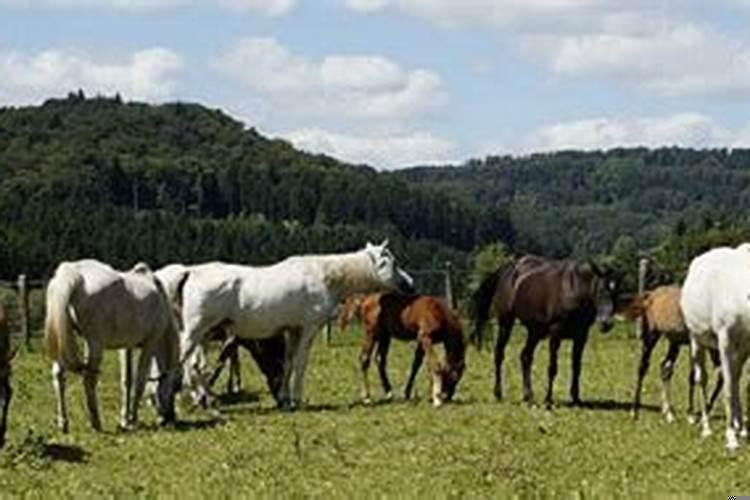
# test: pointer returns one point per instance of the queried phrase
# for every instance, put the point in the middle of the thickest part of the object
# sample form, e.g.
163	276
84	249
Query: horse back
554	291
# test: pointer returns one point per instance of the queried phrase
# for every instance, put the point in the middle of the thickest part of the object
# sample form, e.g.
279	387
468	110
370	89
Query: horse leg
292	341
365	356
415	364
554	346
382	359
126	384
719	380
227	349
58	384
698	357
141	376
666	371
437	381
579	343
300	364
90	381
234	383
505	326
648	341
730	370
527	357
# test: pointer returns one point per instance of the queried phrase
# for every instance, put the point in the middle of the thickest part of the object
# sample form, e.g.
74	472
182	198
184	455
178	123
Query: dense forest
99	177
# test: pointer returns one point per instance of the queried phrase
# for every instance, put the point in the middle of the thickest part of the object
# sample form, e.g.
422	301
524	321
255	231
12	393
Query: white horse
716	306
109	309
295	297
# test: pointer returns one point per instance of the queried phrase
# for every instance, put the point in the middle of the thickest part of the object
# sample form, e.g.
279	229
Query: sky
395	83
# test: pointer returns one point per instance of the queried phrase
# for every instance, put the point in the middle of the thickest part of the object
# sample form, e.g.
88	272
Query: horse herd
275	312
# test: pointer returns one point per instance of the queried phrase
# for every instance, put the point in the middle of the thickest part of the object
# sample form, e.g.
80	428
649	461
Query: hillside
584	202
180	182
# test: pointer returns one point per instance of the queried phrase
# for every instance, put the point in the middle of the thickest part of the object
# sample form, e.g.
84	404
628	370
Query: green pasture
475	447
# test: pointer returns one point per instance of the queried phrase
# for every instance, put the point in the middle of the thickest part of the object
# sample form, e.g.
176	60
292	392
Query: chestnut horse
426	319
659	313
559	299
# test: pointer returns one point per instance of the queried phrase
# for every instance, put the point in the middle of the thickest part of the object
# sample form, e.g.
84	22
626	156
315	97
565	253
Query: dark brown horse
426	319
267	353
559	299
6	391
659	314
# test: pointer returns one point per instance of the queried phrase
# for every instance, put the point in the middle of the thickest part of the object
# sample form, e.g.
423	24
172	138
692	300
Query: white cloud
684	129
132	5
268	7
671	58
144	75
352	85
382	151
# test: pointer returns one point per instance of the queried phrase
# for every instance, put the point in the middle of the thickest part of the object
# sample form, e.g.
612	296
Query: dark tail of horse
481	303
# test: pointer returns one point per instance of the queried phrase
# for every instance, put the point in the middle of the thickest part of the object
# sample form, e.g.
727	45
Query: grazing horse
426	319
267	353
6	356
559	299
294	297
659	314
716	305
109	309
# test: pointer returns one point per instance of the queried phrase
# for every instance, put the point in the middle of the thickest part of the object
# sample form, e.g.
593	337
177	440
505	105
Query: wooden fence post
23	309
642	269
449	284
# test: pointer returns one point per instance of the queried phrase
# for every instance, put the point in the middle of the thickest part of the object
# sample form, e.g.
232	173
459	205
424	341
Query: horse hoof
367	400
437	402
692	420
577	402
388	396
669	417
706	432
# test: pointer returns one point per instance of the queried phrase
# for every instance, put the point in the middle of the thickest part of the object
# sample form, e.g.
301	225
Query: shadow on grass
609	405
65	453
193	425
238	398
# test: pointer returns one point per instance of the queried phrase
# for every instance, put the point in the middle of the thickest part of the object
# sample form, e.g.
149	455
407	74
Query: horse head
6	391
385	269
450	375
606	294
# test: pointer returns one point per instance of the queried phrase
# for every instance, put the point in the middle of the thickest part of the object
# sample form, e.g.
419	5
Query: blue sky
402	82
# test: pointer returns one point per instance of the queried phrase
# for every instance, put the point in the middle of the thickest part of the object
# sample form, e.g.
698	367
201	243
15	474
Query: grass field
474	447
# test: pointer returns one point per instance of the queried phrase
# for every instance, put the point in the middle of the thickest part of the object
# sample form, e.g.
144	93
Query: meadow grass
475	447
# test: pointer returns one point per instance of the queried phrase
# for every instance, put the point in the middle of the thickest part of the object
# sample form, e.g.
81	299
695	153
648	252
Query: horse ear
384	244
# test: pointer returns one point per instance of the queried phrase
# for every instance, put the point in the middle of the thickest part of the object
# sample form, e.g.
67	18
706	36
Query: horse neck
455	346
350	273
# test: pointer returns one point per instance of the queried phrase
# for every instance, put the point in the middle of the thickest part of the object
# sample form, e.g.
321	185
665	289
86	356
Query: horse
559	299
424	318
6	356
295	296
716	305
110	309
267	353
350	308
659	314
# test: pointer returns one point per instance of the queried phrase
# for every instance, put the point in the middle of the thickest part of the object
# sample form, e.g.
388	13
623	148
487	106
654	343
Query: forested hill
123	182
584	202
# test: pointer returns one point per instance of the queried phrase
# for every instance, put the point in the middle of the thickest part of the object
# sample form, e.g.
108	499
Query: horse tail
481	303
58	325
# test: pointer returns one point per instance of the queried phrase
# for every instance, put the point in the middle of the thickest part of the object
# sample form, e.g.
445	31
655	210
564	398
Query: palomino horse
659	314
559	299
294	297
716	305
426	319
110	310
267	353
6	356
